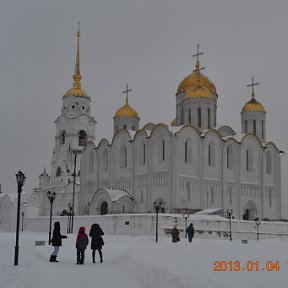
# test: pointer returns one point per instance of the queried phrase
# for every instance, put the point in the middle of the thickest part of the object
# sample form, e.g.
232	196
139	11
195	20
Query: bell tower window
82	138
62	137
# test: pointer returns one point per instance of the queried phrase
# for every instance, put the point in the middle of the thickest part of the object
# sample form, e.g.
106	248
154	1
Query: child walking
81	244
56	241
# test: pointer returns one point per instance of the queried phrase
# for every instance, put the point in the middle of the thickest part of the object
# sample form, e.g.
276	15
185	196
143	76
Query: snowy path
139	262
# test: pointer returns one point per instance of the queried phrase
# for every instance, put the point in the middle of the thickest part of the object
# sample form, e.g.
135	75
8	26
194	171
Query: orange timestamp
236	266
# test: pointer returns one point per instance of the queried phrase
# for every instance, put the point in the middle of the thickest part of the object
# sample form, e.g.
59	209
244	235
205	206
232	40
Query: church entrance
250	212
104	208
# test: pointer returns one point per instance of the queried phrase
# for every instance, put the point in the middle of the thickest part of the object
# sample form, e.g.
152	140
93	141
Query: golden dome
126	111
199	92
253	105
192	80
173	123
76	92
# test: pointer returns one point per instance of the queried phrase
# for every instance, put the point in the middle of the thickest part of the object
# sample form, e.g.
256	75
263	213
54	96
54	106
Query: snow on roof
117	194
210	211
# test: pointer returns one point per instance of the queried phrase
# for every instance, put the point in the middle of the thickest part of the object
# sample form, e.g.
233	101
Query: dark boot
52	258
55	259
100	254
93	256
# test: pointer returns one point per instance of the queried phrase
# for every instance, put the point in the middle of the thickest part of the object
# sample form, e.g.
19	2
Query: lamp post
186	216
258	222
51	197
229	215
75	152
20	181
69	218
157	207
22	213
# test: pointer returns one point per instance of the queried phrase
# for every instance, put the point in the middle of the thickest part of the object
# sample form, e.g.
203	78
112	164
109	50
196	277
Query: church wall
212	172
187	172
160	184
121	169
140	172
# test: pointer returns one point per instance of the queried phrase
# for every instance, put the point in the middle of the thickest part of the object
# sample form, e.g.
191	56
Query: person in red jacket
81	244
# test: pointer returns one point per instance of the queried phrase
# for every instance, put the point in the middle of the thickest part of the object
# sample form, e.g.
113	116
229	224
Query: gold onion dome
198	92
253	105
126	111
76	90
173	123
194	79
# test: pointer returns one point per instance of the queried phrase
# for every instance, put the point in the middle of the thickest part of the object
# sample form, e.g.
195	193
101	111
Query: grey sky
148	44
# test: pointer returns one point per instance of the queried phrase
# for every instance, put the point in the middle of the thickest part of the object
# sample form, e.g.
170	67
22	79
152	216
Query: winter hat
81	230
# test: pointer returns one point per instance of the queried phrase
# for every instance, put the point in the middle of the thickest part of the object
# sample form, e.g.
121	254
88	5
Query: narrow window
163	150
270	197
212	194
141	196
58	172
186	144
105	159
254	126
268	163
82	138
246	126
91	162
199	117
123	156
230	195
262	128
62	137
208	114
188	191
189	116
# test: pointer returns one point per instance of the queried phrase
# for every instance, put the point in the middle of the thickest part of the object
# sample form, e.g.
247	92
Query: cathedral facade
182	167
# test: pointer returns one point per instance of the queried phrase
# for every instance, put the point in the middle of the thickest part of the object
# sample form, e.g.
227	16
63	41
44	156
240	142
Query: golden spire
77	90
77	76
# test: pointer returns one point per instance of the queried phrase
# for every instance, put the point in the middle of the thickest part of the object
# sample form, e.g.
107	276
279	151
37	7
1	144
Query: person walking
190	232
97	241
56	241
175	234
81	244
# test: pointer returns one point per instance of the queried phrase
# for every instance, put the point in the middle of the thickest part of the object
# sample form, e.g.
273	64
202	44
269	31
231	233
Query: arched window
142	154
82	138
62	137
249	159
211	155
208	117
254	127
188	151
91	162
58	172
269	162
230	157
262	129
161	149
189	116
199	117
246	126
105	159
123	156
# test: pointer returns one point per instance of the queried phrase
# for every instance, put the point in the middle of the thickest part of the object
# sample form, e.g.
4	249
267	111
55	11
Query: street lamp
258	222
20	177
22	213
157	207
229	215
186	216
51	197
75	152
69	217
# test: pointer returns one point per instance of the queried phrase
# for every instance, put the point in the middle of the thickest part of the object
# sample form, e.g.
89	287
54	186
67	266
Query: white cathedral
189	165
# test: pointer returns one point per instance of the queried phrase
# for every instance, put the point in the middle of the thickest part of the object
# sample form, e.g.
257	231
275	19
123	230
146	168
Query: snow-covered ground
134	262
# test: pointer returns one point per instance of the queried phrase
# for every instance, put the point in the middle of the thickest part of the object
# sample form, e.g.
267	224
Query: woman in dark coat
190	232
56	241
97	241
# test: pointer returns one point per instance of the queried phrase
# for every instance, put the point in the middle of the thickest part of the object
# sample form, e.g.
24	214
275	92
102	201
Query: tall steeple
77	90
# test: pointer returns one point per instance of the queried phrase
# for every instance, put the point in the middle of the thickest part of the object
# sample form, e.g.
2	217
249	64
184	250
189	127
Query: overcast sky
148	44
